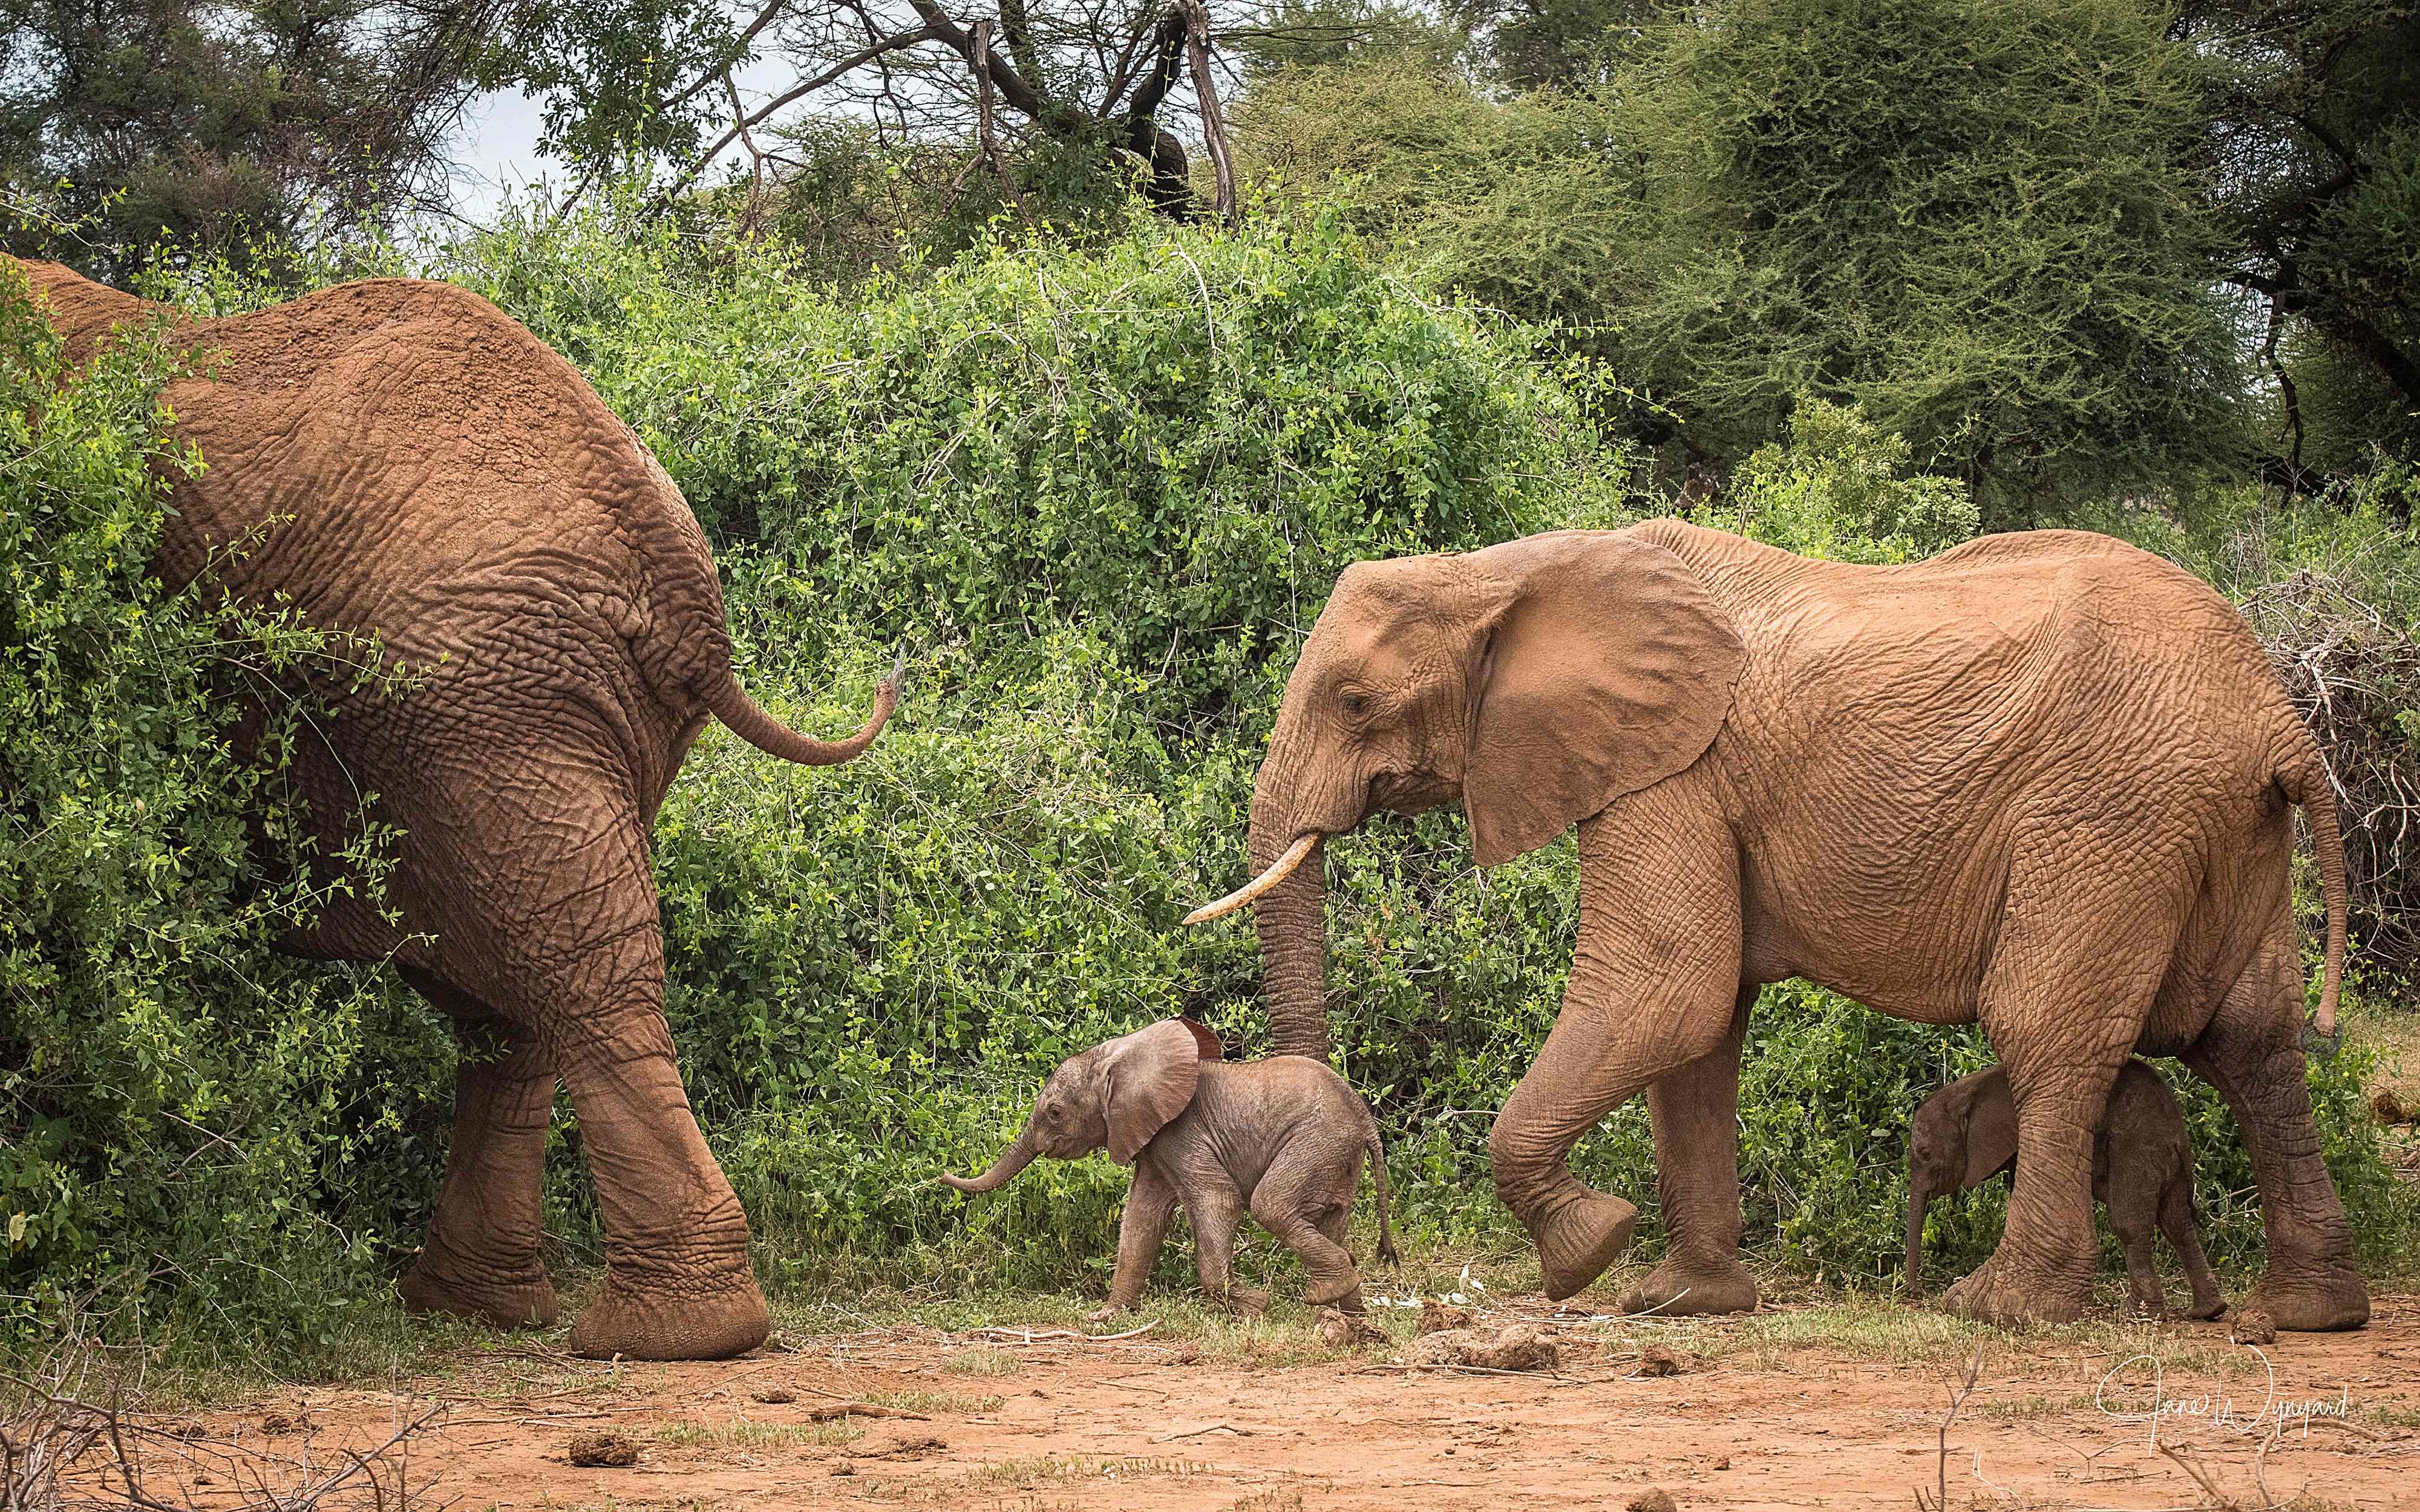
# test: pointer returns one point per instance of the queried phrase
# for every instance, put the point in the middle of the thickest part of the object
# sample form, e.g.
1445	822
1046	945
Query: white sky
495	149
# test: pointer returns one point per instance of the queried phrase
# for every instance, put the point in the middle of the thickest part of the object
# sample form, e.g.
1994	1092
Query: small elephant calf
1282	1137
2142	1172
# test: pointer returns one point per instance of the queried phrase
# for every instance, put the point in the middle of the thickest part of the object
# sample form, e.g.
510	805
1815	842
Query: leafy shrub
1174	440
203	1134
1843	490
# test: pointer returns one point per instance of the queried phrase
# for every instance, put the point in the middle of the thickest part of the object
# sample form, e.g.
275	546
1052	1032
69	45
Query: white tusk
1278	870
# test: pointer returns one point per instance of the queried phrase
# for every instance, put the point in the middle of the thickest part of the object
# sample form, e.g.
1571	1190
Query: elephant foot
2203	1312
1993	1295
515	1297
1577	1241
2314	1299
1246	1302
1689	1289
684	1325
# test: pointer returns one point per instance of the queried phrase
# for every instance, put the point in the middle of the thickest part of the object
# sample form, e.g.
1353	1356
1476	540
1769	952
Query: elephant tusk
1278	870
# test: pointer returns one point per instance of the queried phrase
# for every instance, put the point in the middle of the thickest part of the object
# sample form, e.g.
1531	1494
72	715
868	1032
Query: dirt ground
1831	1407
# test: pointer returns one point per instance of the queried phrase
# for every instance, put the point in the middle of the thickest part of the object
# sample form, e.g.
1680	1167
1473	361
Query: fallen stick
841	1409
1028	1335
1206	1428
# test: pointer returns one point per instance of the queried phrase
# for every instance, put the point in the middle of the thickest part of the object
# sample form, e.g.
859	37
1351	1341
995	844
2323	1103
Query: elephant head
1116	1095
1537	681
1963	1136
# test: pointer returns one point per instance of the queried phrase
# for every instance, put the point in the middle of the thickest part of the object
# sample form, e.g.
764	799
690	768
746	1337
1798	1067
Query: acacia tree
657	81
125	123
1984	222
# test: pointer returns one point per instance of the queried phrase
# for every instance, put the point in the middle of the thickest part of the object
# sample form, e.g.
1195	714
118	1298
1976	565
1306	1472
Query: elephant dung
774	1396
603	1450
1654	1498
1659	1361
2252	1326
1436	1317
1514	1347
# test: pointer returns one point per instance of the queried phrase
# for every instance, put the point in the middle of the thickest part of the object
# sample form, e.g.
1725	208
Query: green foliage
1523	203
198	1132
1982	223
1843	490
1173	442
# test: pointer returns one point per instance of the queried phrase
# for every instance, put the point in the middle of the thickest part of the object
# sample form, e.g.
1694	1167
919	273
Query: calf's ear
1147	1078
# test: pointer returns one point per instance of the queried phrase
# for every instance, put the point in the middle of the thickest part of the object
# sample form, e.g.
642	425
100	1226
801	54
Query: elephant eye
1355	702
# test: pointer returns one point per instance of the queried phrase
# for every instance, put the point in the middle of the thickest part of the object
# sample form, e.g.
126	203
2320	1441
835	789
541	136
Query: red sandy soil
1145	1424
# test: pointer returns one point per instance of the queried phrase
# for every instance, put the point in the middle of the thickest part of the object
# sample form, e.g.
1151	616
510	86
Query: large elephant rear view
398	458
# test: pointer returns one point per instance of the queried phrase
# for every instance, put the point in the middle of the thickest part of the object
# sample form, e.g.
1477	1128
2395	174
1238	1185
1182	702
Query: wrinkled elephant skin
399	459
2042	781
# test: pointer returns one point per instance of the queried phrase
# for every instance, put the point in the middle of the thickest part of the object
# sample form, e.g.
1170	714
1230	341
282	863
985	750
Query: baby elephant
2142	1172
1282	1137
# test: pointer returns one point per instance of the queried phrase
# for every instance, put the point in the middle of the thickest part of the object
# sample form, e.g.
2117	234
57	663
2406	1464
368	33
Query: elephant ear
1203	1041
1147	1078
1608	668
1990	1130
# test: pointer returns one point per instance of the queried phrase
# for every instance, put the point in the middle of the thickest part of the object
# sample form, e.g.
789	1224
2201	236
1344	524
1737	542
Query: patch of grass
983	1360
1046	1469
934	1403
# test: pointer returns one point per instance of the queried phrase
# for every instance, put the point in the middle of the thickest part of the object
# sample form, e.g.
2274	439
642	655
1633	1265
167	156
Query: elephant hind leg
2084	947
557	925
1296	1203
2252	1051
481	1255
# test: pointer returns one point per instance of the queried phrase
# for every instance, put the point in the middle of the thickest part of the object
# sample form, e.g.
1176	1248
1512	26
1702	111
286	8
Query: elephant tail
748	719
2306	781
1388	1253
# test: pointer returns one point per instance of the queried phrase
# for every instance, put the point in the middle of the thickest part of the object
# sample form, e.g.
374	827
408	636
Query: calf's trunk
1016	1158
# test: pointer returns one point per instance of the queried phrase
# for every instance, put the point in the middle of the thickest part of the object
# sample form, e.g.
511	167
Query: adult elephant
2044	781
398	458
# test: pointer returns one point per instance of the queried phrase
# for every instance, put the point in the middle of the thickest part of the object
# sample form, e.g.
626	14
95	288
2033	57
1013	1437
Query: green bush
196	1134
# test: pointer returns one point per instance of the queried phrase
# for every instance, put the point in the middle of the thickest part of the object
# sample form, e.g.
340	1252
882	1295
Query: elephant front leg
480	1259
1654	987
1142	1231
1696	1116
1216	1207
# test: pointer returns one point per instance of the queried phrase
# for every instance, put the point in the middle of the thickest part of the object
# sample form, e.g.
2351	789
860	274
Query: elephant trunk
1919	1199
1016	1158
1292	919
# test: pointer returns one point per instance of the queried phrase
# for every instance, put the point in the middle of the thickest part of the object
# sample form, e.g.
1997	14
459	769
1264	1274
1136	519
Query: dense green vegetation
1526	267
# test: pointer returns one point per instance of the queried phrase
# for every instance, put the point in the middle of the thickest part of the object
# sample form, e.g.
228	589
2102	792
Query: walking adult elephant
2044	781
398	458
